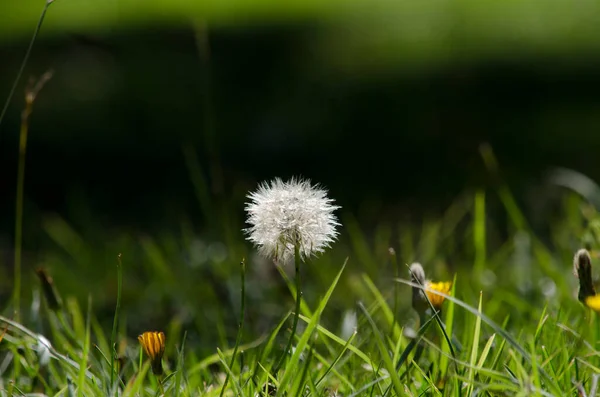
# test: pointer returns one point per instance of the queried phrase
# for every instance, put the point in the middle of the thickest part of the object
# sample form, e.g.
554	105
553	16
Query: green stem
161	388
297	262
30	94
240	325
113	336
19	209
35	33
396	287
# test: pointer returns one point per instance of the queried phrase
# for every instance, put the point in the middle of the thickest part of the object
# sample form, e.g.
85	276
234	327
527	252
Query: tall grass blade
474	348
85	352
113	336
240	323
499	330
446	348
27	53
385	355
303	342
223	360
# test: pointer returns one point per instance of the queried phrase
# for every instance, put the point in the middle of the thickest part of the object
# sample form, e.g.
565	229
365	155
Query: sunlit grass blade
303	342
297	386
135	385
214	358
474	348
486	351
433	390
240	323
332	370
180	367
337	359
446	348
499	330
414	342
385	355
387	311
113	337
363	356
234	381
84	354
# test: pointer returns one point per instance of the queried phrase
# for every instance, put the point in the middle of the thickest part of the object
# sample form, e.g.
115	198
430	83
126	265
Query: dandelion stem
113	336
297	261
240	325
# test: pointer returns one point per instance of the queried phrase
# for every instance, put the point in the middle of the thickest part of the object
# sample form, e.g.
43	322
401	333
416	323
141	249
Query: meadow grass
511	324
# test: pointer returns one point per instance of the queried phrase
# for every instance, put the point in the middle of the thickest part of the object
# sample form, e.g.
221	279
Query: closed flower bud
153	344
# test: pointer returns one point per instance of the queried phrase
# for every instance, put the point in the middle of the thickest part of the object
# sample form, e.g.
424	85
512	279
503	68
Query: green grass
511	325
512	341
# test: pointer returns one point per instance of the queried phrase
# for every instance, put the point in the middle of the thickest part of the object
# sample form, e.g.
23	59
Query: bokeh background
162	115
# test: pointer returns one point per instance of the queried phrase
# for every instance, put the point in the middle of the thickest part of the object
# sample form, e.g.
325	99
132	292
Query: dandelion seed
283	215
153	344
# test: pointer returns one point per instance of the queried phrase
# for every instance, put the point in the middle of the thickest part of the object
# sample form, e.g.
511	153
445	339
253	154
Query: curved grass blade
27	53
337	359
509	338
387	359
240	324
223	361
340	341
475	348
214	358
312	325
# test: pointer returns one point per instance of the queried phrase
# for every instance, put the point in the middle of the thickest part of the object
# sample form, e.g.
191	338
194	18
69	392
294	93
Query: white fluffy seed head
282	214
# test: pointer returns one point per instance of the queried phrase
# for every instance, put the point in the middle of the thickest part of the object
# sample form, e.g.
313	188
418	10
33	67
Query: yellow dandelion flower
593	302
443	287
153	344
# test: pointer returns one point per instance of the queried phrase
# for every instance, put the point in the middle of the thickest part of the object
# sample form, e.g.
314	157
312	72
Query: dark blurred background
154	106
386	104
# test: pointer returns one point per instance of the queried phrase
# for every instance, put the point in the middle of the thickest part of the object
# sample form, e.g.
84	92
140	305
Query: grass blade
499	330
474	348
387	359
303	342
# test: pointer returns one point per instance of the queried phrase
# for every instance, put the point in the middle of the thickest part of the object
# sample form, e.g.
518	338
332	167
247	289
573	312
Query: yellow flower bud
153	344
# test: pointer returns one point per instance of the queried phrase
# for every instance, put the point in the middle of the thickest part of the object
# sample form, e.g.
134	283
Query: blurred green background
162	115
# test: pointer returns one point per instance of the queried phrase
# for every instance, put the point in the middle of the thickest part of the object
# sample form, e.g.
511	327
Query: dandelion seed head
281	214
